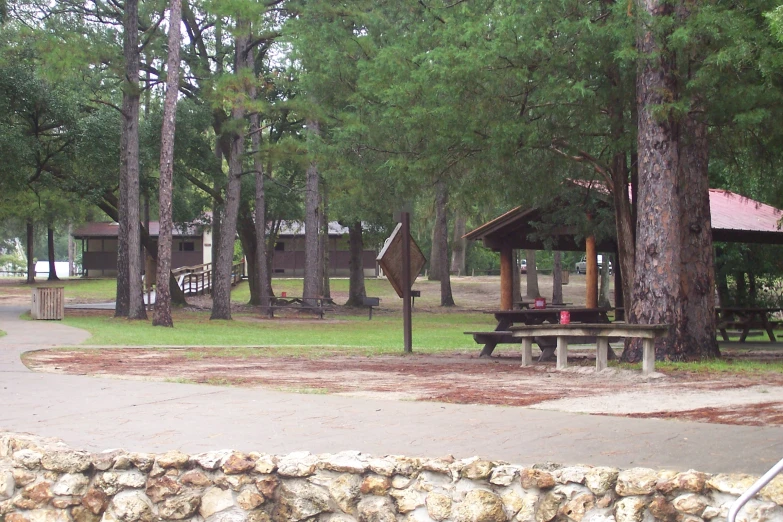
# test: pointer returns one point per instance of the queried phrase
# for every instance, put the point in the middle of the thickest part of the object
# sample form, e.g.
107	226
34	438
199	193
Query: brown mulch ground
454	377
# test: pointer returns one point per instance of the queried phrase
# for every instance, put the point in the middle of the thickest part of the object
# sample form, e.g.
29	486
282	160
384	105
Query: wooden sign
390	260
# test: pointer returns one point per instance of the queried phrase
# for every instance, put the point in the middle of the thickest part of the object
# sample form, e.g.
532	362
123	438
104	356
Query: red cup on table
565	317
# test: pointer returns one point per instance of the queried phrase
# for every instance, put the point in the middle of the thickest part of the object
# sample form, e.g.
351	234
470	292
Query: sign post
401	261
406	289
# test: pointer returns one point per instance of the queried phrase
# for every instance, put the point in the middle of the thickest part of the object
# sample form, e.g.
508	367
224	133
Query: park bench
601	332
314	305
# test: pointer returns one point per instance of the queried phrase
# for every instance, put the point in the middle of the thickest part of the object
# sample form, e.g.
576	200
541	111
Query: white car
581	266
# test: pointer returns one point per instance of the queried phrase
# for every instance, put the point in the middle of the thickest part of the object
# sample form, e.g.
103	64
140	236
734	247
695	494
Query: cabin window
279	246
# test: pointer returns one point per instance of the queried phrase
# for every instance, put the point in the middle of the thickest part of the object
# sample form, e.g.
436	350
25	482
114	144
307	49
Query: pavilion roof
734	218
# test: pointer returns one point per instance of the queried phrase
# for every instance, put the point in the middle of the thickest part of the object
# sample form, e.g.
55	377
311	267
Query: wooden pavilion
734	219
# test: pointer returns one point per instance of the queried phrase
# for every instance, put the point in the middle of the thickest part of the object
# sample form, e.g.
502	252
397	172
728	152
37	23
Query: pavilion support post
506	278
591	281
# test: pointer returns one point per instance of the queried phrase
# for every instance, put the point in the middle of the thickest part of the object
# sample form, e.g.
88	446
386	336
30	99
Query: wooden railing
197	280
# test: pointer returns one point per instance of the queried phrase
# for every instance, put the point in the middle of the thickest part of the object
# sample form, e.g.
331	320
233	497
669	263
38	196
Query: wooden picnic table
314	305
601	332
507	318
744	318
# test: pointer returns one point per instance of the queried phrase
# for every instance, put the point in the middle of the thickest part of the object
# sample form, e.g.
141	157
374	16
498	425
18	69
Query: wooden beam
591	281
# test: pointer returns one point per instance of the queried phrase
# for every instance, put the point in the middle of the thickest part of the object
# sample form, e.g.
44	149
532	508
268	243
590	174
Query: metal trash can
48	303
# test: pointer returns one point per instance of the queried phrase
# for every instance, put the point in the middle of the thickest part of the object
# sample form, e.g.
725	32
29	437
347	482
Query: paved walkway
96	414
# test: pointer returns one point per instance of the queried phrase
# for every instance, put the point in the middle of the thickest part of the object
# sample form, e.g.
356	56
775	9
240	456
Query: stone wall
42	480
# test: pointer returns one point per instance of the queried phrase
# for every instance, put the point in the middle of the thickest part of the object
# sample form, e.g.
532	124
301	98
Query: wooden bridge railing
197	280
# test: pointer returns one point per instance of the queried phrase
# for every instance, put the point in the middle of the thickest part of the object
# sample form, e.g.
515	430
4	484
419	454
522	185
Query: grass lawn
95	290
349	334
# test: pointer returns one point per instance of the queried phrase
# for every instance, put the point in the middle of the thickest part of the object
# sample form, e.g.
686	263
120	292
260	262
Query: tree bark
71	252
557	278
326	290
697	277
50	248
459	244
162	313
130	302
246	229
436	261
221	292
30	253
312	224
532	275
603	291
259	269
356	289
656	292
442	244
624	228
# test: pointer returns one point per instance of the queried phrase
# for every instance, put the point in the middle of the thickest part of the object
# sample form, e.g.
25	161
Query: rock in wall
42	480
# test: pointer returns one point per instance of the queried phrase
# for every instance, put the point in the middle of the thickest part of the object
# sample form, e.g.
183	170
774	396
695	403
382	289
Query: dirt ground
453	377
456	377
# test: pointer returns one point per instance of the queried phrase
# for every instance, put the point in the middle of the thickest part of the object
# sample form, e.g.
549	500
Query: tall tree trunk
162	313
30	253
246	230
656	292
356	289
697	277
532	275
273	234
312	223
624	228
442	245
130	302
122	299
50	248
260	269
557	278
221	293
436	261
71	252
603	292
459	244
326	290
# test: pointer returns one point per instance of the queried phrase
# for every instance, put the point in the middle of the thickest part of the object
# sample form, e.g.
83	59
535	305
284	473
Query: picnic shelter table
600	332
508	318
744	318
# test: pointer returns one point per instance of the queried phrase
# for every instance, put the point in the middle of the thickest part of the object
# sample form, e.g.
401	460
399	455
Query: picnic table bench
601	332
744	319
507	318
315	305
525	305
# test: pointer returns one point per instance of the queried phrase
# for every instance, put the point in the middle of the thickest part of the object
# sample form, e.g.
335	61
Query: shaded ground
453	377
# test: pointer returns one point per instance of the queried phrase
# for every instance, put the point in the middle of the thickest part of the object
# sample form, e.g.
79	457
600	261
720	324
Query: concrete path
96	414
